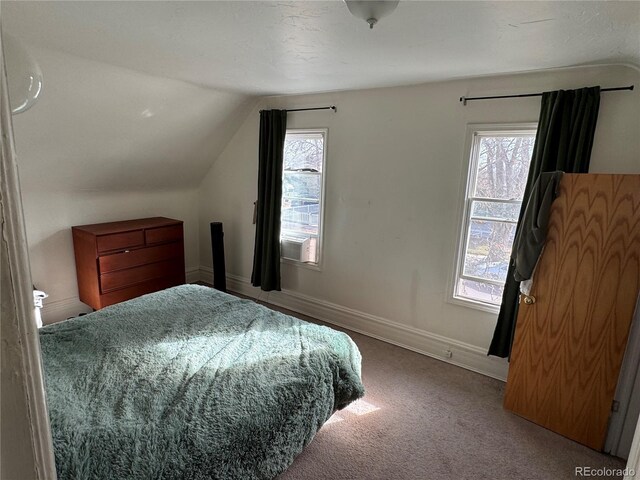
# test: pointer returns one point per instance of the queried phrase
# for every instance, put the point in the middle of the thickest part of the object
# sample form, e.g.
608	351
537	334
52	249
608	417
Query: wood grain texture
127	225
138	289
120	241
115	261
85	251
131	276
140	256
163	234
569	344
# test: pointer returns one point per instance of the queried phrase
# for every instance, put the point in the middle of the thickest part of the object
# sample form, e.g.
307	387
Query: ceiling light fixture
371	11
24	76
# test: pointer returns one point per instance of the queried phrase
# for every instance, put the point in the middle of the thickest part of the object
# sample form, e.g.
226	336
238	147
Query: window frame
469	170
297	263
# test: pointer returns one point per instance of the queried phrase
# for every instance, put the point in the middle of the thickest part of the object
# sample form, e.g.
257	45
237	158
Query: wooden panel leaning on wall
569	344
118	261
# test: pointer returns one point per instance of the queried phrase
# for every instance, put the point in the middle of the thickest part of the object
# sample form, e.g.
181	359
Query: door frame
627	394
20	334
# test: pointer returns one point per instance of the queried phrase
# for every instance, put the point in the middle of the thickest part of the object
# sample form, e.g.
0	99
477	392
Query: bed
191	383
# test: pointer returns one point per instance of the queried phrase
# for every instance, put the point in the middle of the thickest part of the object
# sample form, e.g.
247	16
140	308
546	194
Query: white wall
395	169
101	127
50	214
104	144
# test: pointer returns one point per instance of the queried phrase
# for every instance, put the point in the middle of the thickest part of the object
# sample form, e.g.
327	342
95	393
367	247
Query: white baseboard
193	275
58	310
442	348
206	275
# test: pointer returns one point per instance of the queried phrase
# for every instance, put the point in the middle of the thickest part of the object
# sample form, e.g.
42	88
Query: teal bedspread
191	383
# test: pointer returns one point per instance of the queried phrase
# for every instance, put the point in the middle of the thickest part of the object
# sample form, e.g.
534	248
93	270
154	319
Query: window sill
476	305
296	263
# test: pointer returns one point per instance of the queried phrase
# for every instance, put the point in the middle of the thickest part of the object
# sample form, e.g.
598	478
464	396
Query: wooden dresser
121	260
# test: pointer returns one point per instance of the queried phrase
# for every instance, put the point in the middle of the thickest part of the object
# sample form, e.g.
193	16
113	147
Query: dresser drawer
120	295
140	256
116	261
163	234
120	241
131	276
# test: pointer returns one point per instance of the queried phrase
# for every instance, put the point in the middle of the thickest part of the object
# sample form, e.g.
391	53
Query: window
498	167
302	196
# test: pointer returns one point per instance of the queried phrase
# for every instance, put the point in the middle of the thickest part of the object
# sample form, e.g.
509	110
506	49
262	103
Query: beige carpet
425	419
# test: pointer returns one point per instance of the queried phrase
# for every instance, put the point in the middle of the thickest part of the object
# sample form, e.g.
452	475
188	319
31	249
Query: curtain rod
464	100
332	107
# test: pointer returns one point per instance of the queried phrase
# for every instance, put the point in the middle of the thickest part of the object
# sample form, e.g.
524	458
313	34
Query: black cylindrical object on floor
217	253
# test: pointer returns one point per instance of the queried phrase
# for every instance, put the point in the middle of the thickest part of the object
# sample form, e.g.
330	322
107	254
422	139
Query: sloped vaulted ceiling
101	127
147	94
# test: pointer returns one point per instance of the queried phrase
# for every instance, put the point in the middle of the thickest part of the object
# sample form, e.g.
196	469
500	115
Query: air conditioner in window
300	249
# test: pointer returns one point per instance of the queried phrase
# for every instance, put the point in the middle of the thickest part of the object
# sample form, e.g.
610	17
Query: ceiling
286	47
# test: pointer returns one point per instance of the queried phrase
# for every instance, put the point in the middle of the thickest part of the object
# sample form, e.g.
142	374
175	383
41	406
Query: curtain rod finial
464	101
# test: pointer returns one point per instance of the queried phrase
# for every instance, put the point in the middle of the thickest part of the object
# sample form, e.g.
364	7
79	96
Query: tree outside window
498	169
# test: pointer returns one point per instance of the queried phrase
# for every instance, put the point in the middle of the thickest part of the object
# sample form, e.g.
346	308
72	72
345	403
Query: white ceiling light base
371	11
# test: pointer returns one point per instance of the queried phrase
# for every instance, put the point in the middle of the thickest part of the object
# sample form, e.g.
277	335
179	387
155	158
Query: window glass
302	185
498	169
502	165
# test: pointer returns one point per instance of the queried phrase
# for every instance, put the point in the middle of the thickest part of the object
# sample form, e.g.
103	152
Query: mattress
191	383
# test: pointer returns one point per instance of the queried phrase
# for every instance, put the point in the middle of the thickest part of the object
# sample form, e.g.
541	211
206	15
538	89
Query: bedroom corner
394	193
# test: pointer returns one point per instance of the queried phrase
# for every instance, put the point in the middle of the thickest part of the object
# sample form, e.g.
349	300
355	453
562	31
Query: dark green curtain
563	142
266	253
